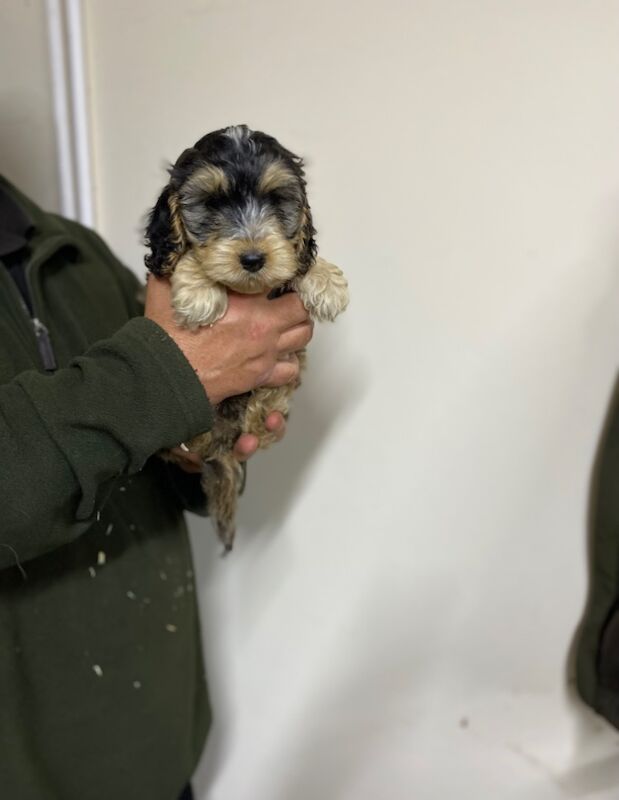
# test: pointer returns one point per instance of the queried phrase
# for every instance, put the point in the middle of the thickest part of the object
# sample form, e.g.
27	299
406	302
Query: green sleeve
66	437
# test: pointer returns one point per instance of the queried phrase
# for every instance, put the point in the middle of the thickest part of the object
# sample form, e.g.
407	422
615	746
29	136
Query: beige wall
414	553
27	141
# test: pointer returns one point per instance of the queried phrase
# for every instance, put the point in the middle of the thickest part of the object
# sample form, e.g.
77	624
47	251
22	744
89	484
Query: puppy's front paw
195	306
323	291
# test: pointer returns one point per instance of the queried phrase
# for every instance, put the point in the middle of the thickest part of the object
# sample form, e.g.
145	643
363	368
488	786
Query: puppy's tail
221	481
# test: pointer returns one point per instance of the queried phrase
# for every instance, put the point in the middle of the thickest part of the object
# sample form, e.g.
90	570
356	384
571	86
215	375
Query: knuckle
259	369
293	371
280	375
262	369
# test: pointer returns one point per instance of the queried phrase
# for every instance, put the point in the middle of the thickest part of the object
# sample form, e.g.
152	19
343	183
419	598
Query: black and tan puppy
234	215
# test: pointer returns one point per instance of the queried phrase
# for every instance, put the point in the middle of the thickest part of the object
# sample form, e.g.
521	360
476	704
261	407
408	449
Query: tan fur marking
209	179
197	300
300	241
219	262
275	176
178	234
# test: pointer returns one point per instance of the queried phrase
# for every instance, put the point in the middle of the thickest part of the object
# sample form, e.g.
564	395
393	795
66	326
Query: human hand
246	445
250	346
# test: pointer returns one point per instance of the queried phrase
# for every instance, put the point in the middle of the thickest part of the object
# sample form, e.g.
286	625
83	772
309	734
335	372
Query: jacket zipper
41	333
44	342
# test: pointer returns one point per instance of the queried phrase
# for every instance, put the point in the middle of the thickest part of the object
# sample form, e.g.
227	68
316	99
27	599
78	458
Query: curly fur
234	215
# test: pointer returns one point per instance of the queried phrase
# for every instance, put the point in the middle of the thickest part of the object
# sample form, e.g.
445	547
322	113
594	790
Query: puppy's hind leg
265	401
221	481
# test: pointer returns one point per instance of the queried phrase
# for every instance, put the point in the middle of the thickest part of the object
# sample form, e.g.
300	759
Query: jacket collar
16	224
47	232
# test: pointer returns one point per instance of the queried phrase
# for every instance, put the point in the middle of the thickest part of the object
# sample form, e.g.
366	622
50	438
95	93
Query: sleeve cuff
178	373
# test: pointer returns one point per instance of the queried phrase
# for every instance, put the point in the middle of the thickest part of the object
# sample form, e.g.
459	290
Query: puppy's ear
165	234
306	244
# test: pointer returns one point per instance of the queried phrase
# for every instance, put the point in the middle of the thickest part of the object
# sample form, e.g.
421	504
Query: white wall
27	141
396	618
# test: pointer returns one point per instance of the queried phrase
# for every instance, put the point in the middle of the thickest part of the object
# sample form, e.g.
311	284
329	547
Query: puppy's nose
253	261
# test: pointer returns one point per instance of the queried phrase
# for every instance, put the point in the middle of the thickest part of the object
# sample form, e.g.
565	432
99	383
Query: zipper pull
45	344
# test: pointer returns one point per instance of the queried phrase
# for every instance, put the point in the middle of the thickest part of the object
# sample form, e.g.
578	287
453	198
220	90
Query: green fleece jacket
102	685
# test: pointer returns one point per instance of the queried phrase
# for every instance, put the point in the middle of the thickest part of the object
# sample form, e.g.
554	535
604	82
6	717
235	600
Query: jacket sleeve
66	437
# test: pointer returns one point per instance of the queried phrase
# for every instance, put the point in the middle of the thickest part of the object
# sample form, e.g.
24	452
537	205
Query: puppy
234	215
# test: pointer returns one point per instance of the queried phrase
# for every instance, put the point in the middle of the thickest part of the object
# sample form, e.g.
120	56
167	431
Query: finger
186	455
295	338
283	372
290	310
193	459
191	463
190	466
246	445
158	291
158	286
276	423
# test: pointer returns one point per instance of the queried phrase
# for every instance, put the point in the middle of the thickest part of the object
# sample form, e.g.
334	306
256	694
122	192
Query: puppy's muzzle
252	261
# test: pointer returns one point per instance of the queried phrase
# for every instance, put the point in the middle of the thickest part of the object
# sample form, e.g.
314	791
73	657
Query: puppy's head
237	200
